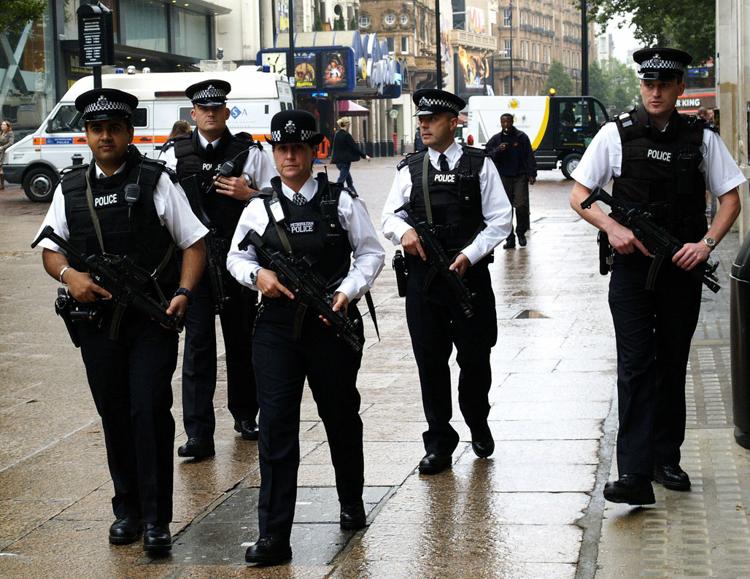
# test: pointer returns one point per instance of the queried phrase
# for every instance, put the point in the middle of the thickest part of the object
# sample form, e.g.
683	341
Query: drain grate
529	315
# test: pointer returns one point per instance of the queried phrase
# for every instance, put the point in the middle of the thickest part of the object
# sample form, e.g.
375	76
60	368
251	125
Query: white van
36	160
559	127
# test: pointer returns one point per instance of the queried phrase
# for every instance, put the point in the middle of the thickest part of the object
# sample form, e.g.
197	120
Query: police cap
430	101
294	127
209	93
101	104
661	63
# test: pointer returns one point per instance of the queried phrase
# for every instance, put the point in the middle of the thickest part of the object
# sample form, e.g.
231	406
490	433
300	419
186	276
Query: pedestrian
418	144
179	129
663	162
219	201
325	225
345	152
6	140
511	151
471	215
130	370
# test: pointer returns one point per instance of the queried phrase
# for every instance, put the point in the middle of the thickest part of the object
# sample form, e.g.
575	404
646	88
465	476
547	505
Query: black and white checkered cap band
426	104
304	135
103	105
210	92
661	64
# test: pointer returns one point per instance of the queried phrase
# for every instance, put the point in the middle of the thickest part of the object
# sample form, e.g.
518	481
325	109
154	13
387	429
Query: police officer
326	225
130	375
663	162
472	216
219	201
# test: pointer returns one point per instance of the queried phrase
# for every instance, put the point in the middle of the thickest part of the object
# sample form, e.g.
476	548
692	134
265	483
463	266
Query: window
390	40
144	24
508	48
506	85
525	50
364	21
507	17
546	55
185	115
191	34
404	45
404	19
389	19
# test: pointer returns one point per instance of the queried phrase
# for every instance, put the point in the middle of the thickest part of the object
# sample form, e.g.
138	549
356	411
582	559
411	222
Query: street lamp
438	56
290	54
510	7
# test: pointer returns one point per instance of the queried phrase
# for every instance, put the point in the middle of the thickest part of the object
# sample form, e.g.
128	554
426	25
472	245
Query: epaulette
626	119
473	151
170	172
70	168
405	161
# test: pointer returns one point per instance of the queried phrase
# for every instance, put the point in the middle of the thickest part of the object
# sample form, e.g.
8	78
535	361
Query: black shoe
631	489
197	448
434	463
483	445
248	429
156	539
269	551
672	477
125	531
509	244
521	240
353	517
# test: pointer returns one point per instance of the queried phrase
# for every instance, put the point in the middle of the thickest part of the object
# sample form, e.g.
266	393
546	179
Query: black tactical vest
455	197
223	211
660	171
314	230
134	231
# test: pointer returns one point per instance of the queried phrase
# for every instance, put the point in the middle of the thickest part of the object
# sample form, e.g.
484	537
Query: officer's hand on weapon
412	245
234	187
269	285
340	303
690	255
460	264
623	240
82	288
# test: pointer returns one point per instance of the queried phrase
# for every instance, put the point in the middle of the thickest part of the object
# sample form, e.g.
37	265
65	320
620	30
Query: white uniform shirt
496	208
171	206
369	255
258	166
602	162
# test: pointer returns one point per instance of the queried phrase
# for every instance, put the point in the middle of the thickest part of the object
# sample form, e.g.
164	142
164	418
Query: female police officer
290	344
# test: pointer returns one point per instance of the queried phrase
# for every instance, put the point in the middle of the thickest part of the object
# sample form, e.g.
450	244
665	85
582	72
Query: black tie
209	149
443	161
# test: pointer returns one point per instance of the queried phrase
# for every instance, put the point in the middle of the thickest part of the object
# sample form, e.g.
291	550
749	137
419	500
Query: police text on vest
105	200
659	155
302	227
442	178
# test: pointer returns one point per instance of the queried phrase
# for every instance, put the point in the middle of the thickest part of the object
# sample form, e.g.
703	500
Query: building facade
531	35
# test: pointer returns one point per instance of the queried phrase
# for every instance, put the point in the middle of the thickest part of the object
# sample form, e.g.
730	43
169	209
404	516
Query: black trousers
131	382
281	365
653	330
199	362
345	174
436	326
517	189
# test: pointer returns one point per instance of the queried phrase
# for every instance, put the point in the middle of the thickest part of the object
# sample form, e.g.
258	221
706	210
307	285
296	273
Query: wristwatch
183	291
710	242
254	277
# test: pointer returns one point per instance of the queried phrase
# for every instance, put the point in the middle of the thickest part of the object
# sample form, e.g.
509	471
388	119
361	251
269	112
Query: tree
598	85
16	13
558	79
615	84
686	24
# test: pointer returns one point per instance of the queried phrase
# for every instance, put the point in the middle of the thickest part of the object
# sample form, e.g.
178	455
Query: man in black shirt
513	156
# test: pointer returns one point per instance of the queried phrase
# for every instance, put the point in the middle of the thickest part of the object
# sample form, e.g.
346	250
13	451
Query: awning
352	109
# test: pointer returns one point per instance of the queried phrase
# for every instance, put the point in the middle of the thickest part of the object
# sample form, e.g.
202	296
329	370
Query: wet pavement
532	510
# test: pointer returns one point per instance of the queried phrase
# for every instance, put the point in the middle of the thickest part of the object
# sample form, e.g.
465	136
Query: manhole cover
529	314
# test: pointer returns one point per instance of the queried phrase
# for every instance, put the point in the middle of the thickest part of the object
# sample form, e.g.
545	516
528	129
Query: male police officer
125	204
471	214
663	162
197	160
326	226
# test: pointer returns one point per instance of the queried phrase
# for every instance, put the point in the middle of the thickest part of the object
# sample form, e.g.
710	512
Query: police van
559	127
36	160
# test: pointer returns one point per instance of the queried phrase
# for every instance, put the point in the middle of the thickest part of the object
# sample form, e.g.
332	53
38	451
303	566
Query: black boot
269	551
632	489
156	539
125	531
672	477
353	517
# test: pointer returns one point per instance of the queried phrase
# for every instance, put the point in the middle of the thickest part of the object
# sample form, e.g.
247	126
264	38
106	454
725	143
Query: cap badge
656	56
290	127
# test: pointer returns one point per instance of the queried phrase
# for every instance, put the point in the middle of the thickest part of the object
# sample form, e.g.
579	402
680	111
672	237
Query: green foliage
686	24
16	13
559	80
615	84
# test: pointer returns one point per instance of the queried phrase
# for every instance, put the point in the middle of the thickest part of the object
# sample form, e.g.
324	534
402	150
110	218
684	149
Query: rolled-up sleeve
393	221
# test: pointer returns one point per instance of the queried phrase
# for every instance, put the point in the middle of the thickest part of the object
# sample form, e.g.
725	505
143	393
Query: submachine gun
120	276
308	287
660	243
440	263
